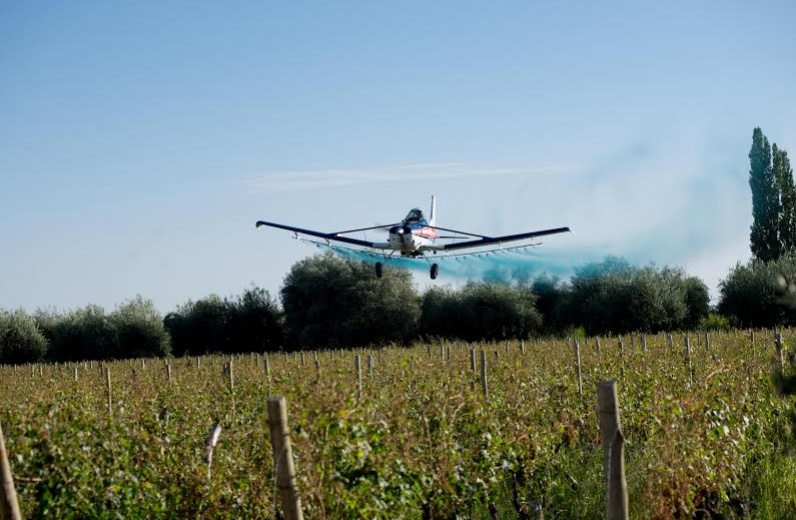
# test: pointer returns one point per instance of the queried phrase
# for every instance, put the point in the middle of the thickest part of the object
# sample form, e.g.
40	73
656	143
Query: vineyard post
643	342
358	367
283	459
671	343
507	347
428	349
707	341
580	373
231	374
621	345
370	365
613	451
472	360
781	353
687	342
752	336
442	352
302	358
168	372
108	390
74	372
318	367
597	344
522	346
198	362
483	374
10	505
267	368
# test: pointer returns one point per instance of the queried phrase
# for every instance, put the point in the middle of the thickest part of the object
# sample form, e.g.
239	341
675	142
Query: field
708	434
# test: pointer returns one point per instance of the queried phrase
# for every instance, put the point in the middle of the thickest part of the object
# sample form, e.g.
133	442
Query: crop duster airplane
415	237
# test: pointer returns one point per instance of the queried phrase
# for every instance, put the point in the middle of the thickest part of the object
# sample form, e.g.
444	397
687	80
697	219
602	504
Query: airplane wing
329	236
485	241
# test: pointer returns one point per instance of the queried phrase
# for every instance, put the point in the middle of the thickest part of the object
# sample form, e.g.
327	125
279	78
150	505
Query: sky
141	141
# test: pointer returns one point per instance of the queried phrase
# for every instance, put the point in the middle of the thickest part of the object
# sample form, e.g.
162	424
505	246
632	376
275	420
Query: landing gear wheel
379	269
434	271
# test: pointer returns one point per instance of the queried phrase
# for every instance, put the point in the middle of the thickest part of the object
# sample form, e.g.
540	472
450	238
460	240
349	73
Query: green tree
765	242
21	341
783	173
333	301
139	330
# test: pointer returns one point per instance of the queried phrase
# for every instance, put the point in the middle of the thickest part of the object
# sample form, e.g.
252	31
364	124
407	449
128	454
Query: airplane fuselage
410	238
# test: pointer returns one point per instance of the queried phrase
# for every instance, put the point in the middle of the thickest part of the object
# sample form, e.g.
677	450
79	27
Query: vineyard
415	435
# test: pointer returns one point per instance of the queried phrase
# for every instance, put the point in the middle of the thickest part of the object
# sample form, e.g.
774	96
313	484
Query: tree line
329	302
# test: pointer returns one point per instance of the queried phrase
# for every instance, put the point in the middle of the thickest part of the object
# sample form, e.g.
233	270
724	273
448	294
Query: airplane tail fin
432	218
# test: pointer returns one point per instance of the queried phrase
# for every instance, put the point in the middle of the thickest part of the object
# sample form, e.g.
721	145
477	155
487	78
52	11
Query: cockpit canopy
414	216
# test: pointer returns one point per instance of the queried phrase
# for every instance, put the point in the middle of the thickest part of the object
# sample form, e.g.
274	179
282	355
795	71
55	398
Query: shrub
759	294
334	301
21	341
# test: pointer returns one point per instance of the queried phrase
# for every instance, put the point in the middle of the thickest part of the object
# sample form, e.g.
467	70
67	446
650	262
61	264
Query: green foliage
333	301
134	329
766	208
252	322
139	330
757	294
21	341
613	296
714	321
481	311
783	173
705	441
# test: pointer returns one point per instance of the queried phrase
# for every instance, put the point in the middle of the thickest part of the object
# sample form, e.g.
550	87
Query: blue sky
140	142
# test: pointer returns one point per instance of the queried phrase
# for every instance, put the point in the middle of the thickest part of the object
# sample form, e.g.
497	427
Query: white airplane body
415	236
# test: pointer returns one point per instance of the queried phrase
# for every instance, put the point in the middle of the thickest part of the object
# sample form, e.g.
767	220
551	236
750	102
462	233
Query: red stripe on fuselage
426	232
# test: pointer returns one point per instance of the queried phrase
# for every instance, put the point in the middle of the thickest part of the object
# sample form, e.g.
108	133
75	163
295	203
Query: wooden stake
484	386
358	367
108	390
613	451
283	459
8	494
577	364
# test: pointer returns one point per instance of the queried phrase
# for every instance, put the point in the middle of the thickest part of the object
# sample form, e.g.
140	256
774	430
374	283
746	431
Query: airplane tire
379	269
434	271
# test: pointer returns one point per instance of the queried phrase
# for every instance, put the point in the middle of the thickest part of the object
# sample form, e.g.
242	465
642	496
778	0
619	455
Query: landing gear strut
434	271
379	269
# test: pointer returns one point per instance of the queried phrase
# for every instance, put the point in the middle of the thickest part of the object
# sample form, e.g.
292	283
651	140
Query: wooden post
484	386
283	459
267	368
108	390
597	344
687	342
358	367
781	353
370	365
74	373
613	451
428	349
707	341
671	343
522	346
577	364
198	362
643	342
168	372
472	360
621	346
231	375
8	494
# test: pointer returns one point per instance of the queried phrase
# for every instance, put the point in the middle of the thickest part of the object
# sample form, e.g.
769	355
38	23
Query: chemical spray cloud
499	266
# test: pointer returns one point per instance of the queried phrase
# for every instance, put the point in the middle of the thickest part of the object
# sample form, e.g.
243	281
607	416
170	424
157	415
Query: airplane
414	237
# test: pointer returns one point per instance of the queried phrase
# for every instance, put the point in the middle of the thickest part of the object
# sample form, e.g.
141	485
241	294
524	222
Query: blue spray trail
501	265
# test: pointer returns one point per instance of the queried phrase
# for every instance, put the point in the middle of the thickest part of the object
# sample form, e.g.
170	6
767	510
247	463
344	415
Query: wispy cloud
313	179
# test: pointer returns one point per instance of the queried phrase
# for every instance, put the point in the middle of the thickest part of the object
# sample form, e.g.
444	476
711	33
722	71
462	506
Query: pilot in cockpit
414	216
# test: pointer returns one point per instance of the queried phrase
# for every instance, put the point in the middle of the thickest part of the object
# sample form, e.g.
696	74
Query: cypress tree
764	237
784	176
